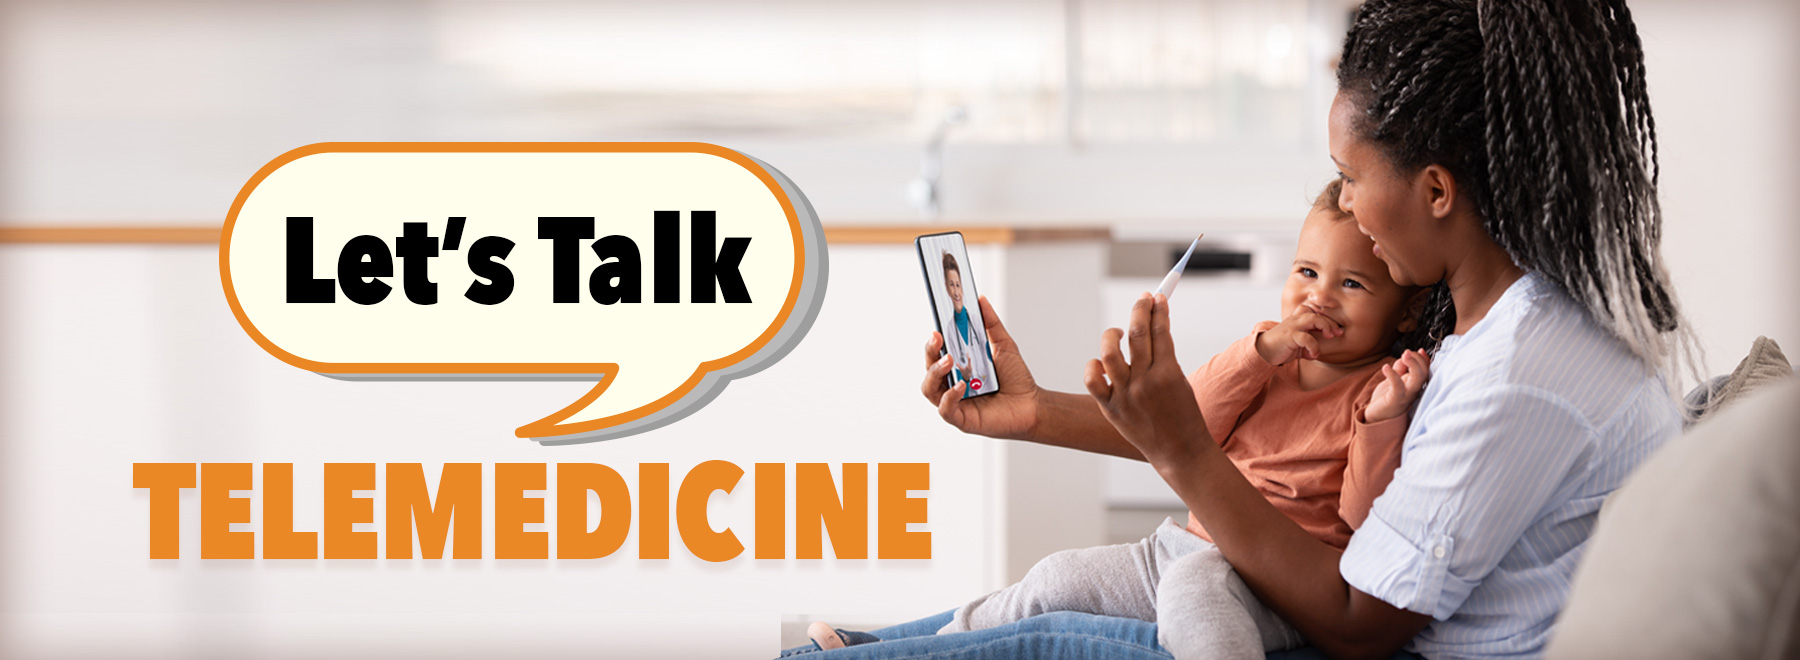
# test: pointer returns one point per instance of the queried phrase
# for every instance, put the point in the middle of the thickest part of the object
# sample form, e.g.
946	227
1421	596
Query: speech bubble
656	360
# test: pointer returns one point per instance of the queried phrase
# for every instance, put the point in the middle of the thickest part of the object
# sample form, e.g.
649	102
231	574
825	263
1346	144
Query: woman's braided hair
1538	108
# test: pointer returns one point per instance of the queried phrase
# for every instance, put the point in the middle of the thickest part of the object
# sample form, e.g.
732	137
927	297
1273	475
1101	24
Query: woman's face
1389	206
953	283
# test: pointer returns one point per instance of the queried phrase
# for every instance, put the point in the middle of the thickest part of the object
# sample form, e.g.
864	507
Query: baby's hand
1293	337
1400	385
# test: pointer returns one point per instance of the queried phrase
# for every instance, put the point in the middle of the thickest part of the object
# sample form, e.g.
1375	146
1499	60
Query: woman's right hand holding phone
1008	413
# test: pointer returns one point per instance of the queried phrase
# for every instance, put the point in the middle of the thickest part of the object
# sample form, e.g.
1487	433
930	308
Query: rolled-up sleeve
1474	474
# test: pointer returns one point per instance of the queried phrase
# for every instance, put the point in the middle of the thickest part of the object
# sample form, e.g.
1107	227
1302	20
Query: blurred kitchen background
1079	142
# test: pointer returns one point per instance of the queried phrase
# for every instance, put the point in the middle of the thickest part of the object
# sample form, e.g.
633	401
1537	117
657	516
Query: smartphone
956	310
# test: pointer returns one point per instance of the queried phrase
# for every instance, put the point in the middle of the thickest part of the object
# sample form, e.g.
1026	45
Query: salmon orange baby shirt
1308	452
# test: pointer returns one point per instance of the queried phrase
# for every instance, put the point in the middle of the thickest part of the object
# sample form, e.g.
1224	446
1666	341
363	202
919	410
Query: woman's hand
1399	387
1148	399
1008	413
1293	337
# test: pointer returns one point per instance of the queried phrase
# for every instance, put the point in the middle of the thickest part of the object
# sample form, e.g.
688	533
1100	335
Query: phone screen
957	312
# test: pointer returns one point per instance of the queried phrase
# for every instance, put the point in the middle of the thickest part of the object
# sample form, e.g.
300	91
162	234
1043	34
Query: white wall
168	106
1725	84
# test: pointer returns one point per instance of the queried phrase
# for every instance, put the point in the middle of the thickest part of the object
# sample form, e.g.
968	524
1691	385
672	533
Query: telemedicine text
453	516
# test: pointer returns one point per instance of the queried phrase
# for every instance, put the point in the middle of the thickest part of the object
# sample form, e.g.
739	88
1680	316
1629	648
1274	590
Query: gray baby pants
1201	608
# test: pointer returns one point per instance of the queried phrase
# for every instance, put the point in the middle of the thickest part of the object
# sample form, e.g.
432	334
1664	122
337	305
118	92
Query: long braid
1540	111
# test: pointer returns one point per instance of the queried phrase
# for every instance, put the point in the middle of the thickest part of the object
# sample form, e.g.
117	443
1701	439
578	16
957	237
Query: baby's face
1336	274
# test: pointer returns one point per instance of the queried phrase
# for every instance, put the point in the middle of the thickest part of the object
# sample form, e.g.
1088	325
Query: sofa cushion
1698	555
1765	364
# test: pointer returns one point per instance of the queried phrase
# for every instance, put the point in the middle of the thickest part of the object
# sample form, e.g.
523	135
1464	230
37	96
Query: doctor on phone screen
968	344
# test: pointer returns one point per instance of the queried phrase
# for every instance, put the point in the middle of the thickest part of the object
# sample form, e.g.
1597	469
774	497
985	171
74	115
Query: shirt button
1438	552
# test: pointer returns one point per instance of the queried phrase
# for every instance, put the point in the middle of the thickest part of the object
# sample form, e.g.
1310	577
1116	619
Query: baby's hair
1538	109
950	264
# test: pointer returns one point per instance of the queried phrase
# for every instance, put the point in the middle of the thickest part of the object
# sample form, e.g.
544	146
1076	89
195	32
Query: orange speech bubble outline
552	425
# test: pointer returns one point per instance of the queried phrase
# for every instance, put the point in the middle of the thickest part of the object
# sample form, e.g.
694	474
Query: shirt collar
1522	289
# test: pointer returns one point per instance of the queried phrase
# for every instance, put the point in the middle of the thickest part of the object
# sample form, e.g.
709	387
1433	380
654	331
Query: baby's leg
1205	611
1112	580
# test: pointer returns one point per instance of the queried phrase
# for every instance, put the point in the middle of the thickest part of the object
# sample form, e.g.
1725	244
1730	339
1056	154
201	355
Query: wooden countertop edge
835	235
874	234
111	234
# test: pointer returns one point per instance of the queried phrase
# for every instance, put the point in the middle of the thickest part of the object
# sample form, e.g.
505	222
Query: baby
1312	410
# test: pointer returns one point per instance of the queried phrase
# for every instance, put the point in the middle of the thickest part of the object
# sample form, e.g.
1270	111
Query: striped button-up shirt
1530	420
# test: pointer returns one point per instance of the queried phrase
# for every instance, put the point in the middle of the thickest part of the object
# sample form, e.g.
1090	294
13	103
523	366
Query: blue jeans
1062	635
1052	635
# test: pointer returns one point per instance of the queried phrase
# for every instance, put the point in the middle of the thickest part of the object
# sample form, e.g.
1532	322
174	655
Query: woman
1505	153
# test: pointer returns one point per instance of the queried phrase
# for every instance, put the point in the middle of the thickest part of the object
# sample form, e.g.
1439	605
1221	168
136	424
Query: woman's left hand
1147	399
